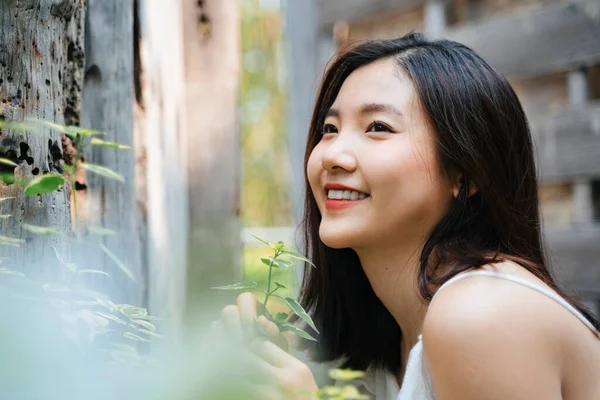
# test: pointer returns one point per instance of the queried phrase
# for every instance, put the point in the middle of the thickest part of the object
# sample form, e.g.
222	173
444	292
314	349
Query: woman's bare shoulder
482	332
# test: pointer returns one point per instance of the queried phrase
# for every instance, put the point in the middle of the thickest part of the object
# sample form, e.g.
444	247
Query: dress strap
553	295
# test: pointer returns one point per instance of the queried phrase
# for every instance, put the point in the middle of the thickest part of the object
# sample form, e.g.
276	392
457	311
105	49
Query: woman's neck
392	273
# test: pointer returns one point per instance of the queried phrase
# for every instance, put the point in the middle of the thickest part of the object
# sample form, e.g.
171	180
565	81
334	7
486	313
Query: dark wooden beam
568	144
331	11
574	255
553	38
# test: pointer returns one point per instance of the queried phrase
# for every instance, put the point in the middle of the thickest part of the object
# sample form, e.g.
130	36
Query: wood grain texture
212	70
574	255
108	107
548	39
331	11
41	54
162	83
568	144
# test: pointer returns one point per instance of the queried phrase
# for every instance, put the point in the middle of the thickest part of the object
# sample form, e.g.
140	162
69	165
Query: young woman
422	218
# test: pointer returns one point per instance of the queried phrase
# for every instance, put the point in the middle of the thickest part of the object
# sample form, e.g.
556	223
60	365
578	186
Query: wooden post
162	126
108	107
578	92
41	57
190	57
211	45
435	18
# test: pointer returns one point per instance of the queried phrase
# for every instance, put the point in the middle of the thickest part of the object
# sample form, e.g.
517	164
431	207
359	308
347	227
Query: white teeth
345	195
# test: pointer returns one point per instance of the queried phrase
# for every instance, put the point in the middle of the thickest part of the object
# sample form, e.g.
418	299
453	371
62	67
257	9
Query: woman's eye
379	127
328	128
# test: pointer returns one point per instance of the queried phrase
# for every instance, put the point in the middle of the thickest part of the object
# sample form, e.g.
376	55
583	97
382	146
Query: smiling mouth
345	195
337	199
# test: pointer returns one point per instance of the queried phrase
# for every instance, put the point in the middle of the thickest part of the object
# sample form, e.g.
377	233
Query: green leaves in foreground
237	286
297	308
44	184
99	142
103	171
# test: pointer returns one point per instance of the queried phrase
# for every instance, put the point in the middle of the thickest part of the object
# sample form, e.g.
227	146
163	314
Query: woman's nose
339	156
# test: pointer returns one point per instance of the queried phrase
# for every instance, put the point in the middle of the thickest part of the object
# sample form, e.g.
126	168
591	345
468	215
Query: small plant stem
277	253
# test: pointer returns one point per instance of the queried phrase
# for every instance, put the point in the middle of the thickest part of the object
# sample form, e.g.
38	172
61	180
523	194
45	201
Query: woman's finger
230	321
247	308
273	331
272	353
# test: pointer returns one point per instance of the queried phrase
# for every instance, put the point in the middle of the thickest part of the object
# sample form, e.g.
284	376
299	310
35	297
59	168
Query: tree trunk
41	61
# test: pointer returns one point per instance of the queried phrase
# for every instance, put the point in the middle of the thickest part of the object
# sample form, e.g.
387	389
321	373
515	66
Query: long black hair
481	132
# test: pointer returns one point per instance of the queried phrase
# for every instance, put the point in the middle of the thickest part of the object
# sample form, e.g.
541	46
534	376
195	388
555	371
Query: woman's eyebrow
371	108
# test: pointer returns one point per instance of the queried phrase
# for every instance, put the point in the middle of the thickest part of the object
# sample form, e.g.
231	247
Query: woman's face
374	173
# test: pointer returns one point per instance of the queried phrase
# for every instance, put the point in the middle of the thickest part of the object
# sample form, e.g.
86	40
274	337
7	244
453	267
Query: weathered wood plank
575	256
41	48
568	144
212	68
331	11
305	72
161	79
553	38
108	107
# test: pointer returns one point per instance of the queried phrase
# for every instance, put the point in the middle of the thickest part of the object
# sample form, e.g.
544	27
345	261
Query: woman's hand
286	376
238	321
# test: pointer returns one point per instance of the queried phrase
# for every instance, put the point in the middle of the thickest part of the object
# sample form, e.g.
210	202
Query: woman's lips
336	204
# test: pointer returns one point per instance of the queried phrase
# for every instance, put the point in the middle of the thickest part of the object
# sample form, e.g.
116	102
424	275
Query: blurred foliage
265	190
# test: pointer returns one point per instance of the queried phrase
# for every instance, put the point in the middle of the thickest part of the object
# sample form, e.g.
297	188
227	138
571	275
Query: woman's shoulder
494	330
485	304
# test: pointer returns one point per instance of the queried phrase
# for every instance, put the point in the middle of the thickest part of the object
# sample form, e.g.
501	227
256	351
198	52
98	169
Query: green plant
281	319
96	325
345	391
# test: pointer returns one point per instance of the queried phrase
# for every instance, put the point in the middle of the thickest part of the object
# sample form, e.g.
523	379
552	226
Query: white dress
416	384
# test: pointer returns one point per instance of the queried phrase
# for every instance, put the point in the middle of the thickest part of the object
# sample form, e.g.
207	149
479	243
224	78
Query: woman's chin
337	239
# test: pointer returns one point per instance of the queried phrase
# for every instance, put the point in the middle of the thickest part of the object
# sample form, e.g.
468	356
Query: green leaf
6	271
71	131
277	262
100	142
297	308
298	256
99	230
237	286
351	393
10	241
6	161
286	326
43	231
133	336
279	285
102	171
93	271
44	184
131	311
262	240
267	261
15	126
145	324
283	264
345	374
111	317
150	333
281	316
119	263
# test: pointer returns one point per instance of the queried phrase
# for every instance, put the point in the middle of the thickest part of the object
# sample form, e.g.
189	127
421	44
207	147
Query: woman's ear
457	185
